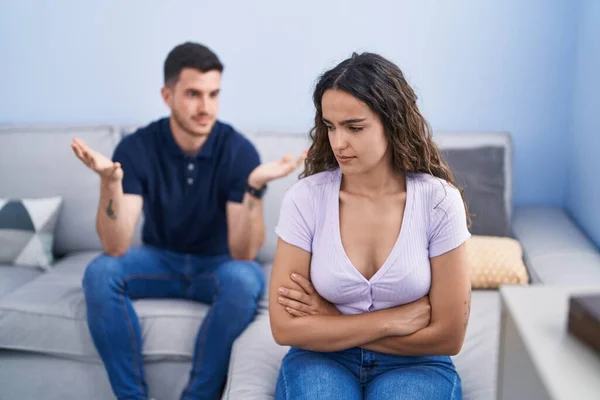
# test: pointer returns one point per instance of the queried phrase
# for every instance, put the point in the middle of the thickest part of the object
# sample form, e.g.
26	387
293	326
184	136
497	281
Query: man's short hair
189	55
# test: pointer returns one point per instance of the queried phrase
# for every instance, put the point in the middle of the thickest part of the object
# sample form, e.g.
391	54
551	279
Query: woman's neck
381	180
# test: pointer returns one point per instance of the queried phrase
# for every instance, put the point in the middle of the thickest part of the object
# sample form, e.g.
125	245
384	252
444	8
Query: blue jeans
361	374
111	283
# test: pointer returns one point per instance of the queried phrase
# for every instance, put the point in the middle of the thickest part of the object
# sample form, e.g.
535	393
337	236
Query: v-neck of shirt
337	234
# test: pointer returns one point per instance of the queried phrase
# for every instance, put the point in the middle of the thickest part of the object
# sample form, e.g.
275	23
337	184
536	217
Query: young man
200	185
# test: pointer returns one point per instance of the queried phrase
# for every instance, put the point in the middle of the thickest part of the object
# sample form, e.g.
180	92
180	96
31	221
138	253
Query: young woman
369	284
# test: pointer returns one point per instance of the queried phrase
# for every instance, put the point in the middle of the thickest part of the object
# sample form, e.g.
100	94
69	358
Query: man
200	184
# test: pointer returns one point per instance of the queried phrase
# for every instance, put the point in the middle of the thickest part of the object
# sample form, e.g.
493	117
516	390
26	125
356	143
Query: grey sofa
46	351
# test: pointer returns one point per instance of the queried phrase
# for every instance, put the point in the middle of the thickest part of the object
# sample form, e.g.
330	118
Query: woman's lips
344	159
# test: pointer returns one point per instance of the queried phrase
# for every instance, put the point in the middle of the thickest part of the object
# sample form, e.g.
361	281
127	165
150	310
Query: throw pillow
27	231
480	172
495	261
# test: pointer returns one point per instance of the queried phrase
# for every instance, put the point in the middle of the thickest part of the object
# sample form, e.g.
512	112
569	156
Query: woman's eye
329	127
356	128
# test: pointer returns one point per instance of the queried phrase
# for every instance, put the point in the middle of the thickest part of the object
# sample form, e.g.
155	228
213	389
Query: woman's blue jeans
361	374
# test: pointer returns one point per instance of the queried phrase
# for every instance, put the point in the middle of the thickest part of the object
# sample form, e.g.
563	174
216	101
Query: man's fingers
82	155
78	152
286	159
91	160
81	144
304	283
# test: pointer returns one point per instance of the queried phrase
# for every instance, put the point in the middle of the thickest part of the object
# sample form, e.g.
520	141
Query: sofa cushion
30	376
48	315
12	278
556	251
27	228
256	358
38	162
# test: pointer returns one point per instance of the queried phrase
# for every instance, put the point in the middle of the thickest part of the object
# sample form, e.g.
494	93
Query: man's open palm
97	162
277	169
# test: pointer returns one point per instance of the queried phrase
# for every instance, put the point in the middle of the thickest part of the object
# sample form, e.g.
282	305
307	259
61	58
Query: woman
369	283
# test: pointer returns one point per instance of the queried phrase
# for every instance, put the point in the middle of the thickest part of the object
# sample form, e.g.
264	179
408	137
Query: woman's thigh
312	375
416	382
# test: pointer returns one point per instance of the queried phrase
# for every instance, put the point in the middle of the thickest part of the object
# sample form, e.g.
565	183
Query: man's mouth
201	120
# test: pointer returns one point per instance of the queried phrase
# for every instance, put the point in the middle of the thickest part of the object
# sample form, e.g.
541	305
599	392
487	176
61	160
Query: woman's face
356	134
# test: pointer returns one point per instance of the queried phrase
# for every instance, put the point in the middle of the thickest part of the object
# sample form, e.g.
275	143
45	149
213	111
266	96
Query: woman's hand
409	318
305	302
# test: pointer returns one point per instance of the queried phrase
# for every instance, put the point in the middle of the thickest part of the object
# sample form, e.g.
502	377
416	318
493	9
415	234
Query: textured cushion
479	171
495	261
256	358
12	278
27	231
48	315
556	250
38	162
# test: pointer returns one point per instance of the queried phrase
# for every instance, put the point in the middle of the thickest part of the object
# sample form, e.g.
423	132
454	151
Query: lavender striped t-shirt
434	223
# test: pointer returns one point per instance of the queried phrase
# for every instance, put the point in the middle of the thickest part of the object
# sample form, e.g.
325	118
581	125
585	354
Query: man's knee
101	276
241	279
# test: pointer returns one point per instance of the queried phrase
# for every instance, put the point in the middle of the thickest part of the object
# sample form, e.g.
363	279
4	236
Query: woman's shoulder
315	184
433	191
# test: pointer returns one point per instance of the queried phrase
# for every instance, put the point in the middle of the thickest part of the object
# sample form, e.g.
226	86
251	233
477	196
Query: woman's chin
349	169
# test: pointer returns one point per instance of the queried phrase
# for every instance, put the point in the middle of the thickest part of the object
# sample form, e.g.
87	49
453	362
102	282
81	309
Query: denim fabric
232	287
361	374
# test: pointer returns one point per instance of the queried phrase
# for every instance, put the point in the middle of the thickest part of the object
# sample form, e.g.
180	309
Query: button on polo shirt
185	195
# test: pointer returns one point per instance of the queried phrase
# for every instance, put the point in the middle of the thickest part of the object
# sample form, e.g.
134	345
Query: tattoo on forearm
110	212
467	309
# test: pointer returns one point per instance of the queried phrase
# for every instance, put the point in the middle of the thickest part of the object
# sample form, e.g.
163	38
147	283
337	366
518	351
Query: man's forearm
249	232
111	224
432	340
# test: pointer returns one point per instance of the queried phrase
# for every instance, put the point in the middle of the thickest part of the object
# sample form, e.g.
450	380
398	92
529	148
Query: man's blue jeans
232	287
357	374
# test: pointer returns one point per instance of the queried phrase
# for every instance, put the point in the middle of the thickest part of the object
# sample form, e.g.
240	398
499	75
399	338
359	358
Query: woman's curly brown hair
381	85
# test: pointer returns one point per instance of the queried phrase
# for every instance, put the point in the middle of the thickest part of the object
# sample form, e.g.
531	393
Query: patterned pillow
27	231
495	261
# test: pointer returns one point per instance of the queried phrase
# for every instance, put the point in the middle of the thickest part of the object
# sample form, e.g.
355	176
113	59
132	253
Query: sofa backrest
480	162
37	161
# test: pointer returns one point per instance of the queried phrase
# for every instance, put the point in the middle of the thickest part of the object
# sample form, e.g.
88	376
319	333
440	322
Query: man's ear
167	95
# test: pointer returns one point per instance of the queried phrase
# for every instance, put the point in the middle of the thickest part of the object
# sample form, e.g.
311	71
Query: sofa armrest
556	251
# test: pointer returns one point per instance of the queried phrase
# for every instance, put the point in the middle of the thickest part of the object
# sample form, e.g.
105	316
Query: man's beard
181	122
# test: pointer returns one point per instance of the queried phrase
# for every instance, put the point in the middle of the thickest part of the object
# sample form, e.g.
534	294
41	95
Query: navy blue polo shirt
185	195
